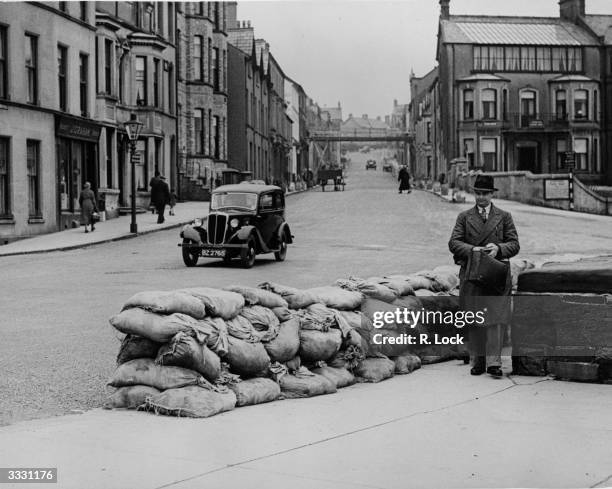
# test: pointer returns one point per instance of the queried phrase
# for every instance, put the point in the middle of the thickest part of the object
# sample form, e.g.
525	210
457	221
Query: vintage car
387	166
244	220
371	164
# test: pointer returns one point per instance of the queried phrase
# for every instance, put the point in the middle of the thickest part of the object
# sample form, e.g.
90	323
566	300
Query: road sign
557	189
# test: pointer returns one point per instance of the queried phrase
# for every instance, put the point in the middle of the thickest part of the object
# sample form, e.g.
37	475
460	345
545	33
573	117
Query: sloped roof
420	85
335	113
514	30
601	25
242	39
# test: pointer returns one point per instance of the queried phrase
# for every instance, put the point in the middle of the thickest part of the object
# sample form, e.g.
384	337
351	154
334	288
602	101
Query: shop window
62	57
581	147
5	167
488	149
31	66
581	104
561	105
468	105
489	104
33	175
3	62
561	150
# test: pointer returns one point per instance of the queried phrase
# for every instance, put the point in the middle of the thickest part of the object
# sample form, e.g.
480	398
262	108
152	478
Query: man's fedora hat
484	182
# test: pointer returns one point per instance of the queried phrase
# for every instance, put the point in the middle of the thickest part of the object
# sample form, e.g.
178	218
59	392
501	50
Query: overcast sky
360	53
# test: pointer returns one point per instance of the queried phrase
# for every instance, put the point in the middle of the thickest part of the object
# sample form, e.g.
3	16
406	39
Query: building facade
49	139
202	96
519	93
399	122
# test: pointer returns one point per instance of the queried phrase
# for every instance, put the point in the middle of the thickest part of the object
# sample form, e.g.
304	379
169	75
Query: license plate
215	253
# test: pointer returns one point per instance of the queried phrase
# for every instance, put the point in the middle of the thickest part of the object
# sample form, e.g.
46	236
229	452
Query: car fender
189	232
245	232
284	228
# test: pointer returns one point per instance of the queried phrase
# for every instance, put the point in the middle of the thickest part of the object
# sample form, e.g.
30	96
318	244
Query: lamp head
133	128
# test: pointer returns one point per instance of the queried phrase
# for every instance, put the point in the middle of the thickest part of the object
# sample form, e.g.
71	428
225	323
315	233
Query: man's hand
491	249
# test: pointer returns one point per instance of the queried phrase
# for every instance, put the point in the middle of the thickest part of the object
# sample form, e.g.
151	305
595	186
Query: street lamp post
133	128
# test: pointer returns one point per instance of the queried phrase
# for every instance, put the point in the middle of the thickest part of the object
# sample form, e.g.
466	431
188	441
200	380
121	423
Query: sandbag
286	344
341	377
374	370
424	293
368	288
246	359
296	298
305	384
133	347
254	296
440	302
217	302
192	402
130	397
390	346
264	321
406	364
255	391
144	371
317	345
282	313
185	351
167	302
375	310
241	328
336	297
415	281
400	287
149	325
213	332
348	358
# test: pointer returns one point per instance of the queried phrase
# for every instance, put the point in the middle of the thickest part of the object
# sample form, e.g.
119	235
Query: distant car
371	164
244	220
387	166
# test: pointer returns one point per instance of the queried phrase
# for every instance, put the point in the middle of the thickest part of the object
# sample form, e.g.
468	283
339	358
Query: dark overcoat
160	193
404	179
470	231
87	201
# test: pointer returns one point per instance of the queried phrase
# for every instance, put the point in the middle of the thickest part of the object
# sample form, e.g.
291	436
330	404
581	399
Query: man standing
486	229
160	196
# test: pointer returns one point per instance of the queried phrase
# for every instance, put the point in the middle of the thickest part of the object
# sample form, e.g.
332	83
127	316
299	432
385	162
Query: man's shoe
495	372
477	371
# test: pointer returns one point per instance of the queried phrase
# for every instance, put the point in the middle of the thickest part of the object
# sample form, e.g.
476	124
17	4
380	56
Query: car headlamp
234	223
197	222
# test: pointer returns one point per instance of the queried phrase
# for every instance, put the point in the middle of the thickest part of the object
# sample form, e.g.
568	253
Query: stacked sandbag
192	402
287	342
255	391
341	377
375	369
369	288
405	364
304	383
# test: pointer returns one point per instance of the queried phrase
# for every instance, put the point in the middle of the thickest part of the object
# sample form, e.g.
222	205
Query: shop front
77	157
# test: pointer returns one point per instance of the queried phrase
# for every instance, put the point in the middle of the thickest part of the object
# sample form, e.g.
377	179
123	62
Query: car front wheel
247	255
189	257
282	249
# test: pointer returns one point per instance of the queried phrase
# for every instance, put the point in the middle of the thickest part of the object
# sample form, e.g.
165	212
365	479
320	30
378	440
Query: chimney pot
444	9
572	9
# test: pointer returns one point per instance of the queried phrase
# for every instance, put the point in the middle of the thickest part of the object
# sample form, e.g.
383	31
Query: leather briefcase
486	272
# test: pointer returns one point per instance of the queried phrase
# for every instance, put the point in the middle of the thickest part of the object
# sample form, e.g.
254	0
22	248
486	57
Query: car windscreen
233	200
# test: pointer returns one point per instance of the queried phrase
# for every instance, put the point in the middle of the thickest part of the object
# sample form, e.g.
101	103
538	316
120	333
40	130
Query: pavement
438	427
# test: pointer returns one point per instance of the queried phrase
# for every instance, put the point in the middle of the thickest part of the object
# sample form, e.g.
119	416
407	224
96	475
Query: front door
528	159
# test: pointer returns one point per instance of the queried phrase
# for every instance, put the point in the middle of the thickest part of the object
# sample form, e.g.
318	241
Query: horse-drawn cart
334	175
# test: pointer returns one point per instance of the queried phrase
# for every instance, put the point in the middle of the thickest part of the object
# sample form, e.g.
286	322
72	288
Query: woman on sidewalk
87	201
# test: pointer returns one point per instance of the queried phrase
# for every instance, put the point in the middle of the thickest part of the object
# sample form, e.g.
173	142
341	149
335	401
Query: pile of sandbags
201	351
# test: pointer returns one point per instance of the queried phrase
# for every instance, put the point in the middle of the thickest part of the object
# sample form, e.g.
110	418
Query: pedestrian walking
173	198
160	196
485	229
87	201
403	178
151	184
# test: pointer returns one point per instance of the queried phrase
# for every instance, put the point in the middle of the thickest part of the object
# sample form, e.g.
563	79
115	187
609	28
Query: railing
541	121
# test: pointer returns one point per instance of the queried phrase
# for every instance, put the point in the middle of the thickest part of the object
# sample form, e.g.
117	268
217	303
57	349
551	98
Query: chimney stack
572	9
444	9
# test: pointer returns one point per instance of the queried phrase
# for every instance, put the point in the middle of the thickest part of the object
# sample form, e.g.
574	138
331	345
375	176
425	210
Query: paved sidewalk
110	230
437	427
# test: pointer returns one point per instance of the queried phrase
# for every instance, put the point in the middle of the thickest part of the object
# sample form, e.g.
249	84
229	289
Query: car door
271	206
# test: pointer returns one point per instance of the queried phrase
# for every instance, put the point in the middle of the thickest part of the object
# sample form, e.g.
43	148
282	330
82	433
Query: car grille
217	225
